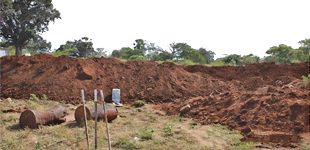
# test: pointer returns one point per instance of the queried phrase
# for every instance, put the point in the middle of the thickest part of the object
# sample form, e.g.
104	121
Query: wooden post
96	116
86	131
105	118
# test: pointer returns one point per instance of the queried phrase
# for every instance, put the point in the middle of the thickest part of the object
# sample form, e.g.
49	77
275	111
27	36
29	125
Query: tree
305	48
232	59
140	44
84	47
249	59
207	55
180	50
116	53
100	53
128	52
280	53
196	57
67	49
38	45
164	56
23	20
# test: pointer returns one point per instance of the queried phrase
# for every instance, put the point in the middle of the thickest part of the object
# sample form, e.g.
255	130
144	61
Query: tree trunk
18	50
33	118
90	113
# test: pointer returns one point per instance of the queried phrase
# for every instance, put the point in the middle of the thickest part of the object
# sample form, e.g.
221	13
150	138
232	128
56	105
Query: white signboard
116	95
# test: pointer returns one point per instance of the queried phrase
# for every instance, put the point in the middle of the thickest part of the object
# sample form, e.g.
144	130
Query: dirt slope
266	102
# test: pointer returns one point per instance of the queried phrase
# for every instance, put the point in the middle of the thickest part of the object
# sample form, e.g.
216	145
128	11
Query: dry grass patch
135	128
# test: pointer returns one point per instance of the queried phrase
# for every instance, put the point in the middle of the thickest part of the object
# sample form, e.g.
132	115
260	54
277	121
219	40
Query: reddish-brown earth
265	102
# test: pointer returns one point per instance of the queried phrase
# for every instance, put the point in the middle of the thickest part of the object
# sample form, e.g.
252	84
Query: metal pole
105	118
82	91
96	117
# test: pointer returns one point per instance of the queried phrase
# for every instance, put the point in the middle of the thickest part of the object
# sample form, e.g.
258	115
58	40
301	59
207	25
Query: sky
222	26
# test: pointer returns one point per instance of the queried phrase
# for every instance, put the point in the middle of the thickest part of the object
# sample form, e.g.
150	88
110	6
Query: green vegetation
139	103
28	19
306	78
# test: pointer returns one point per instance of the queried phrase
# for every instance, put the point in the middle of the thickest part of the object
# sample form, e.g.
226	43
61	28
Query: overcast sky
223	26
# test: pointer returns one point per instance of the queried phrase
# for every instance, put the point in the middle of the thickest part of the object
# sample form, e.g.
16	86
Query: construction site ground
265	102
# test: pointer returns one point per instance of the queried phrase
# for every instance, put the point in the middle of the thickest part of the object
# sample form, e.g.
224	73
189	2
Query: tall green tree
23	20
116	53
232	59
207	55
141	45
38	46
84	47
180	50
280	53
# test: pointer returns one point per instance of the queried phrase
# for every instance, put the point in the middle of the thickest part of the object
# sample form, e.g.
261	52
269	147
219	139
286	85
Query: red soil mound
265	102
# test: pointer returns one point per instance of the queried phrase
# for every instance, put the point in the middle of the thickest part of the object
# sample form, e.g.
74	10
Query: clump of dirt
253	99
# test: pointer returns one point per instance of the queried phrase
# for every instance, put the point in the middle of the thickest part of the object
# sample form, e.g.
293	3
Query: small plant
139	103
123	143
146	133
33	97
44	97
193	125
306	78
168	130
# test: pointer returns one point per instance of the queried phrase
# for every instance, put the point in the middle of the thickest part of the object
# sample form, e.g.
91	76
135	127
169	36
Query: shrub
33	97
139	103
306	78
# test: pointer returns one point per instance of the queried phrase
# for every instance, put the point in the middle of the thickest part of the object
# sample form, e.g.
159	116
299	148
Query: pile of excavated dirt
265	102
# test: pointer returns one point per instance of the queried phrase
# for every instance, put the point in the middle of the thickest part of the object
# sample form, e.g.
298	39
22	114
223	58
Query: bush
306	79
33	97
186	62
218	63
139	103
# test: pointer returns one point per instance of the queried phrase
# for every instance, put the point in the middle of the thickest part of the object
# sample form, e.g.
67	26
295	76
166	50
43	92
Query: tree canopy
25	20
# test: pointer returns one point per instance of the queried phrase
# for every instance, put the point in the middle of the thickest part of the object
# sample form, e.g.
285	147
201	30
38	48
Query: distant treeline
180	53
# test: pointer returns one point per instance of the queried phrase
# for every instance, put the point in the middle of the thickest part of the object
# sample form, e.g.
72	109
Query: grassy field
135	128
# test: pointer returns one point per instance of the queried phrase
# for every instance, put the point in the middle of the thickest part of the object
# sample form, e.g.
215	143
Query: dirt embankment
266	102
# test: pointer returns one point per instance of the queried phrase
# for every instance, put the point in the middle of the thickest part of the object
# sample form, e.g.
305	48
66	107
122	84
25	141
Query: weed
123	143
306	78
44	98
168	130
139	103
192	125
33	97
146	133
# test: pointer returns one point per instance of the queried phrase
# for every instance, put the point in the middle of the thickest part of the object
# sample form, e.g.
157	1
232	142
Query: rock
246	130
192	113
185	109
263	90
8	100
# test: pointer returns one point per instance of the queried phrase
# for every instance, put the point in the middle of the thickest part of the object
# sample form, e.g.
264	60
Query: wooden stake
105	118
96	118
82	91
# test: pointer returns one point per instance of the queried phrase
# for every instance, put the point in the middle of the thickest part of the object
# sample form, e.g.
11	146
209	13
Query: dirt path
197	133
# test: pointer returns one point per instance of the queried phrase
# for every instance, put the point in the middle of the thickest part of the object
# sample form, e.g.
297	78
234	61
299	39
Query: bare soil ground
265	102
